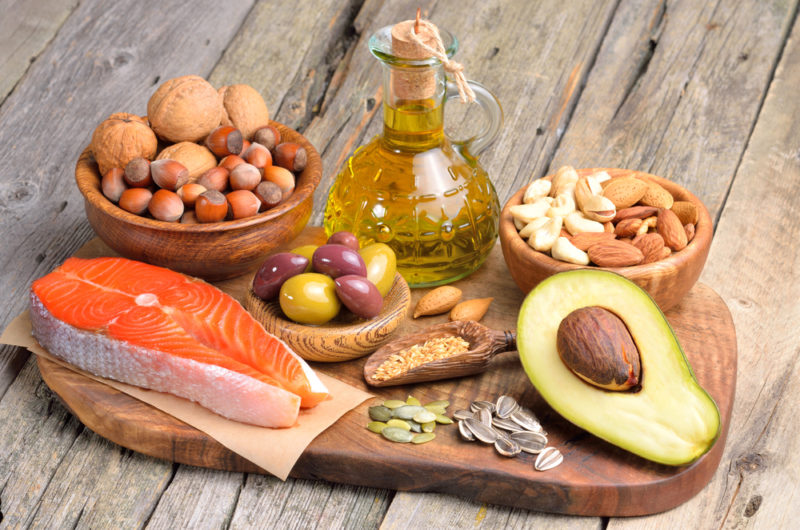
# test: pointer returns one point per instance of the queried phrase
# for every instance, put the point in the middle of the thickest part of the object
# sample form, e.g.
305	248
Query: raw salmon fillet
158	329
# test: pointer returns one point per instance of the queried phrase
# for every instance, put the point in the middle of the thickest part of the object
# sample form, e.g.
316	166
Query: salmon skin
159	329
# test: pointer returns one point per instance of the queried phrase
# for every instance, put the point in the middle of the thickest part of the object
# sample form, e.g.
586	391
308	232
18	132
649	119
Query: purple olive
274	271
359	295
345	238
338	260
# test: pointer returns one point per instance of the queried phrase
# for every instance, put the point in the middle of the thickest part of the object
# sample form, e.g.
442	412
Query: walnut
197	158
244	108
184	109
121	138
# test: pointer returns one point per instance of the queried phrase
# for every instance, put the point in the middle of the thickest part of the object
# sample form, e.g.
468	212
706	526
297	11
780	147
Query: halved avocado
670	419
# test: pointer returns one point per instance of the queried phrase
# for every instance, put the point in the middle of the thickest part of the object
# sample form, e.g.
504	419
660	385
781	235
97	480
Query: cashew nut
647	224
536	190
526	213
601	176
577	223
563	205
565	178
533	226
563	250
543	239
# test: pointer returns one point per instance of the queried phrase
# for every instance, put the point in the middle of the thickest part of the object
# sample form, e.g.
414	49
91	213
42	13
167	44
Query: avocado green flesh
671	420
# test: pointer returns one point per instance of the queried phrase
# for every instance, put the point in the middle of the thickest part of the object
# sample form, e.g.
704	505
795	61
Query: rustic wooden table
701	92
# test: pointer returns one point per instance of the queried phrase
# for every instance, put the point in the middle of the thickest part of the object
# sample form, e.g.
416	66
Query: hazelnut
231	161
166	206
268	136
269	194
245	147
211	207
244	108
135	200
137	173
291	156
197	158
113	184
188	218
258	155
215	178
243	204
119	139
282	177
184	109
225	140
189	193
169	174
244	177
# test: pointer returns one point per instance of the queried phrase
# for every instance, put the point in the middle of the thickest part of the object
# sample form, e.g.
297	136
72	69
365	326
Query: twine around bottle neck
455	69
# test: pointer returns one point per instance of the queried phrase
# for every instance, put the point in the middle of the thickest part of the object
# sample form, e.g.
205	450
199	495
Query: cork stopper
412	85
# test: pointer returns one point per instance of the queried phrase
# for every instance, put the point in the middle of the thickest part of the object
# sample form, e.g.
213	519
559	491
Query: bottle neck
413	125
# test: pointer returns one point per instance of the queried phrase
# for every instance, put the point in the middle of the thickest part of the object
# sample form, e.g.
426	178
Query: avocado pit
595	345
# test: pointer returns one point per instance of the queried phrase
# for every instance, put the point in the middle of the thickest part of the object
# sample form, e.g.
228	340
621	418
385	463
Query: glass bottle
411	187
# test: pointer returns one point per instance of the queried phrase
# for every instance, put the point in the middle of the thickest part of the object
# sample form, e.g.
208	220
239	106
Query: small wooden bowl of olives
330	303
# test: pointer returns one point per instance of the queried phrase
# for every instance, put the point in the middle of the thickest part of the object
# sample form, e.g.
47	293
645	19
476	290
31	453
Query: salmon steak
158	329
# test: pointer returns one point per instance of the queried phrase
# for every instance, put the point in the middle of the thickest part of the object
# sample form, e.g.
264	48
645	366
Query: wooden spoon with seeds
484	343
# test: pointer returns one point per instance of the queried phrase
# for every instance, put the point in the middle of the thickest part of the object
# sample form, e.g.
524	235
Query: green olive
306	251
381	265
309	298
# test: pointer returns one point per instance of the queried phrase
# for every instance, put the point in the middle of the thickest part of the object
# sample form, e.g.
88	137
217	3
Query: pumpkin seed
507	447
380	413
481	405
429	427
400	424
415	426
376	426
505	406
484	416
411	400
407	412
436	409
549	458
396	434
424	416
440	403
424	437
530	442
463	414
481	431
444	420
393	403
465	432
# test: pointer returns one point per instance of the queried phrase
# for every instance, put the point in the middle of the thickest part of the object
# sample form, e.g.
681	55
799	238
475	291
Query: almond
650	245
686	212
624	192
613	253
689	228
440	300
608	227
657	196
671	229
628	227
638	212
584	240
471	309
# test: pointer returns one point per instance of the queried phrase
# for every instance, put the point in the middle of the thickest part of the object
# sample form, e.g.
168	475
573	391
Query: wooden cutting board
596	478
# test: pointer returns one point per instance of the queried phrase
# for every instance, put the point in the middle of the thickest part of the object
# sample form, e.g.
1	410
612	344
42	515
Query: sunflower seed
393	403
396	434
411	400
506	424
399	424
376	426
549	458
484	416
530	442
505	406
481	431
380	413
481	405
424	437
407	412
465	432
525	419
507	447
429	427
463	414
424	416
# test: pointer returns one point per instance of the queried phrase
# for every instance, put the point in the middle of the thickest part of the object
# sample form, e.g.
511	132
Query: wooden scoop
484	343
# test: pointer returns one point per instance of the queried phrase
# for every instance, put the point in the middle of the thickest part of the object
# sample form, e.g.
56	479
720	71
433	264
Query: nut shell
119	139
197	158
184	109
244	108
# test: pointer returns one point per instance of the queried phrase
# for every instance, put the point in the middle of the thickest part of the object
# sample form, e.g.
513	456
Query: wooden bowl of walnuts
213	250
645	238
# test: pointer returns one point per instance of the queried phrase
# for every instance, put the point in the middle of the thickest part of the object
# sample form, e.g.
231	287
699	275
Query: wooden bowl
213	251
341	339
666	280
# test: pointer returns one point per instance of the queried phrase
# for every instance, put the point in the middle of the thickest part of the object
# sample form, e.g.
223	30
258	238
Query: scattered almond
471	309
650	245
657	196
438	301
671	229
627	227
624	192
686	212
584	240
614	253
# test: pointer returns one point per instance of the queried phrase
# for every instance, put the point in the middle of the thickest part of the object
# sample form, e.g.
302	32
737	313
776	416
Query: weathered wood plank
25	29
678	95
753	265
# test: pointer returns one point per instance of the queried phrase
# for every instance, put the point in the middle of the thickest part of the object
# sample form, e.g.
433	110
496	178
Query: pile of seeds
511	428
418	354
409	420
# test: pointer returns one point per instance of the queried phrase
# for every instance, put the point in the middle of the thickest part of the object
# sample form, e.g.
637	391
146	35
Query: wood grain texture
25	29
595	479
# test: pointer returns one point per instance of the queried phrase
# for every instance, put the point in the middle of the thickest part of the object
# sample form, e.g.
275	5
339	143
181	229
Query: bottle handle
494	113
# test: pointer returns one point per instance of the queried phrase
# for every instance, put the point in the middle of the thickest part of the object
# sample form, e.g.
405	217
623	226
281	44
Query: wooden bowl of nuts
211	250
646	228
